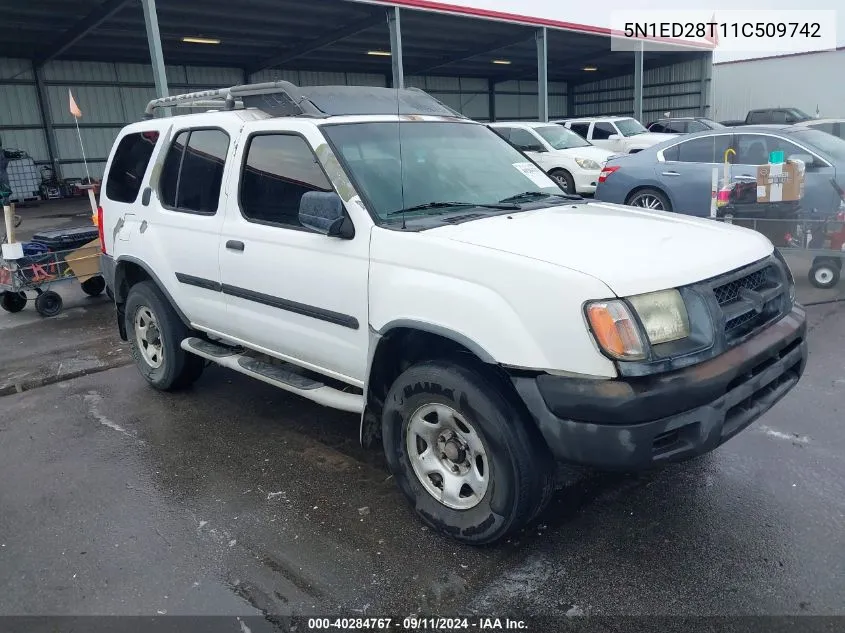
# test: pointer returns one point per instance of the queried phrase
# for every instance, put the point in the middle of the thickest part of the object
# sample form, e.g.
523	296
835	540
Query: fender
119	276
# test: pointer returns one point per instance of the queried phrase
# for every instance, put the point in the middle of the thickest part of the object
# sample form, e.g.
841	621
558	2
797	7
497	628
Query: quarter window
278	170
129	165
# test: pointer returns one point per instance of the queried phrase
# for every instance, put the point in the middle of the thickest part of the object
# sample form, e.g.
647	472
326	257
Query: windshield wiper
537	195
445	205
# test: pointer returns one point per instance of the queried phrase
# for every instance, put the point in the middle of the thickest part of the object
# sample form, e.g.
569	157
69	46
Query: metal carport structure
487	66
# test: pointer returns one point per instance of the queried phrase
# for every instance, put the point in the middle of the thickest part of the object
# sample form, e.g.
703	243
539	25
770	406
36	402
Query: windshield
826	143
630	127
436	162
560	137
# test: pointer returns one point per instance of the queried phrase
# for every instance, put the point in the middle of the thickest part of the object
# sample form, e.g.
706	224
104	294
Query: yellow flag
74	109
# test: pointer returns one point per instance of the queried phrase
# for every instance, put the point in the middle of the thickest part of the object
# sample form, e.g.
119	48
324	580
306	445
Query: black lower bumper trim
722	397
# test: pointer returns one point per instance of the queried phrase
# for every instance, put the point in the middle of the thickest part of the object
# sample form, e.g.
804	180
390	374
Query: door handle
145	197
235	245
671	173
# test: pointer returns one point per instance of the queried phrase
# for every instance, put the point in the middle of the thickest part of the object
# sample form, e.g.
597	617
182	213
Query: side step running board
284	375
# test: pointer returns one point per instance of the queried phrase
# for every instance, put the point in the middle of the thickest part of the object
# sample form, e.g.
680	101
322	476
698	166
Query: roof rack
282	98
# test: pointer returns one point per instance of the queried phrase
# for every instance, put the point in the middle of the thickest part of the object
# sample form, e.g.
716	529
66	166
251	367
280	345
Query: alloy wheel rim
648	202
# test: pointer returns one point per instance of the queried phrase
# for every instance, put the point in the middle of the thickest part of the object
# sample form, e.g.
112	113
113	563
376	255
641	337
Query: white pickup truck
373	251
620	135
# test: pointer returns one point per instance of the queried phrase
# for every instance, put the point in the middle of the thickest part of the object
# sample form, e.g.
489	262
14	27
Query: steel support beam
491	99
638	84
82	28
706	84
395	26
486	49
542	74
46	119
285	56
154	41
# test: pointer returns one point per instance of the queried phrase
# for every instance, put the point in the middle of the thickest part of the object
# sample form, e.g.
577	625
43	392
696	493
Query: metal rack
282	98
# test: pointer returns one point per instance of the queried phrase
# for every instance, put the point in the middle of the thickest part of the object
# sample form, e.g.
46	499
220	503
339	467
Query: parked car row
677	175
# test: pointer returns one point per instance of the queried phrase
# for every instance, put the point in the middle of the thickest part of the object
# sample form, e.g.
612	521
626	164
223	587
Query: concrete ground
237	499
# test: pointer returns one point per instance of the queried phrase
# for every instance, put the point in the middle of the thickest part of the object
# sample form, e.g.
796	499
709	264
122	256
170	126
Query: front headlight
663	315
588	164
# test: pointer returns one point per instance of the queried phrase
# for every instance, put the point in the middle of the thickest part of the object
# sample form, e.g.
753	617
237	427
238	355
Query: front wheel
564	180
649	199
825	273
155	336
463	454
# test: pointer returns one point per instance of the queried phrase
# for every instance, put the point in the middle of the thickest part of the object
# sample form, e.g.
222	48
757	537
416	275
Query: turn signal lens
615	330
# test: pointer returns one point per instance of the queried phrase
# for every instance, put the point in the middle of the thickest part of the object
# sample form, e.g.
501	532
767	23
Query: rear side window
656	127
758	116
192	174
278	170
698	150
602	131
129	165
581	129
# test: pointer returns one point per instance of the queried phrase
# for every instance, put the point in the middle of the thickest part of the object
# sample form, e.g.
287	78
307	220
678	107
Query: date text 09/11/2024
417	624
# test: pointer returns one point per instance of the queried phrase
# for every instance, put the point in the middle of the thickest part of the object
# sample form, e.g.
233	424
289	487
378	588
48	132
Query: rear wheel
13	301
93	286
155	335
563	179
465	456
649	199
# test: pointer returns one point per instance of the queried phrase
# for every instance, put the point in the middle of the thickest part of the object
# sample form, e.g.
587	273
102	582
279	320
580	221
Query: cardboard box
782	182
85	261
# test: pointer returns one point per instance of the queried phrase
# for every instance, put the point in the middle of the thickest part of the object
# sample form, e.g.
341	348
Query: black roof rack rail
282	98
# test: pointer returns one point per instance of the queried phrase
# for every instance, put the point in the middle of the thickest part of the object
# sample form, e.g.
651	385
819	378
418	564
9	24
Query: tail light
100	228
606	171
724	197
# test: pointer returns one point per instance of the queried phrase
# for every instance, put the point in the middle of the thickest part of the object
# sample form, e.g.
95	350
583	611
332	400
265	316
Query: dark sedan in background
676	175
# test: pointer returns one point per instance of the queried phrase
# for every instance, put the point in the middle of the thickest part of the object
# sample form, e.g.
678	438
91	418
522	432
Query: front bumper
634	423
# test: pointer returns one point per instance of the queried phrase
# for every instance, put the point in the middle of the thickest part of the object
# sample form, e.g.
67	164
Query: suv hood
631	250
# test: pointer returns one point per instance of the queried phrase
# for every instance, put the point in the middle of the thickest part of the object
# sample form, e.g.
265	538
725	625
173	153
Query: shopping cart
59	256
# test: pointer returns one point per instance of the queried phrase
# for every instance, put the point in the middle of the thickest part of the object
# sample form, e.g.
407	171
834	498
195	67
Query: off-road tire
521	470
178	369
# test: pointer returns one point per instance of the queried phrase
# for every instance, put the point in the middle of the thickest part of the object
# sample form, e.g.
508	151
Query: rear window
126	174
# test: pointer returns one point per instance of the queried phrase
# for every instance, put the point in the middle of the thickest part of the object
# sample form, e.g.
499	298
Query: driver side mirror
807	159
614	137
323	212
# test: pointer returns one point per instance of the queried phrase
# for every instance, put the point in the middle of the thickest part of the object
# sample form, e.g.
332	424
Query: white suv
572	162
620	135
373	251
